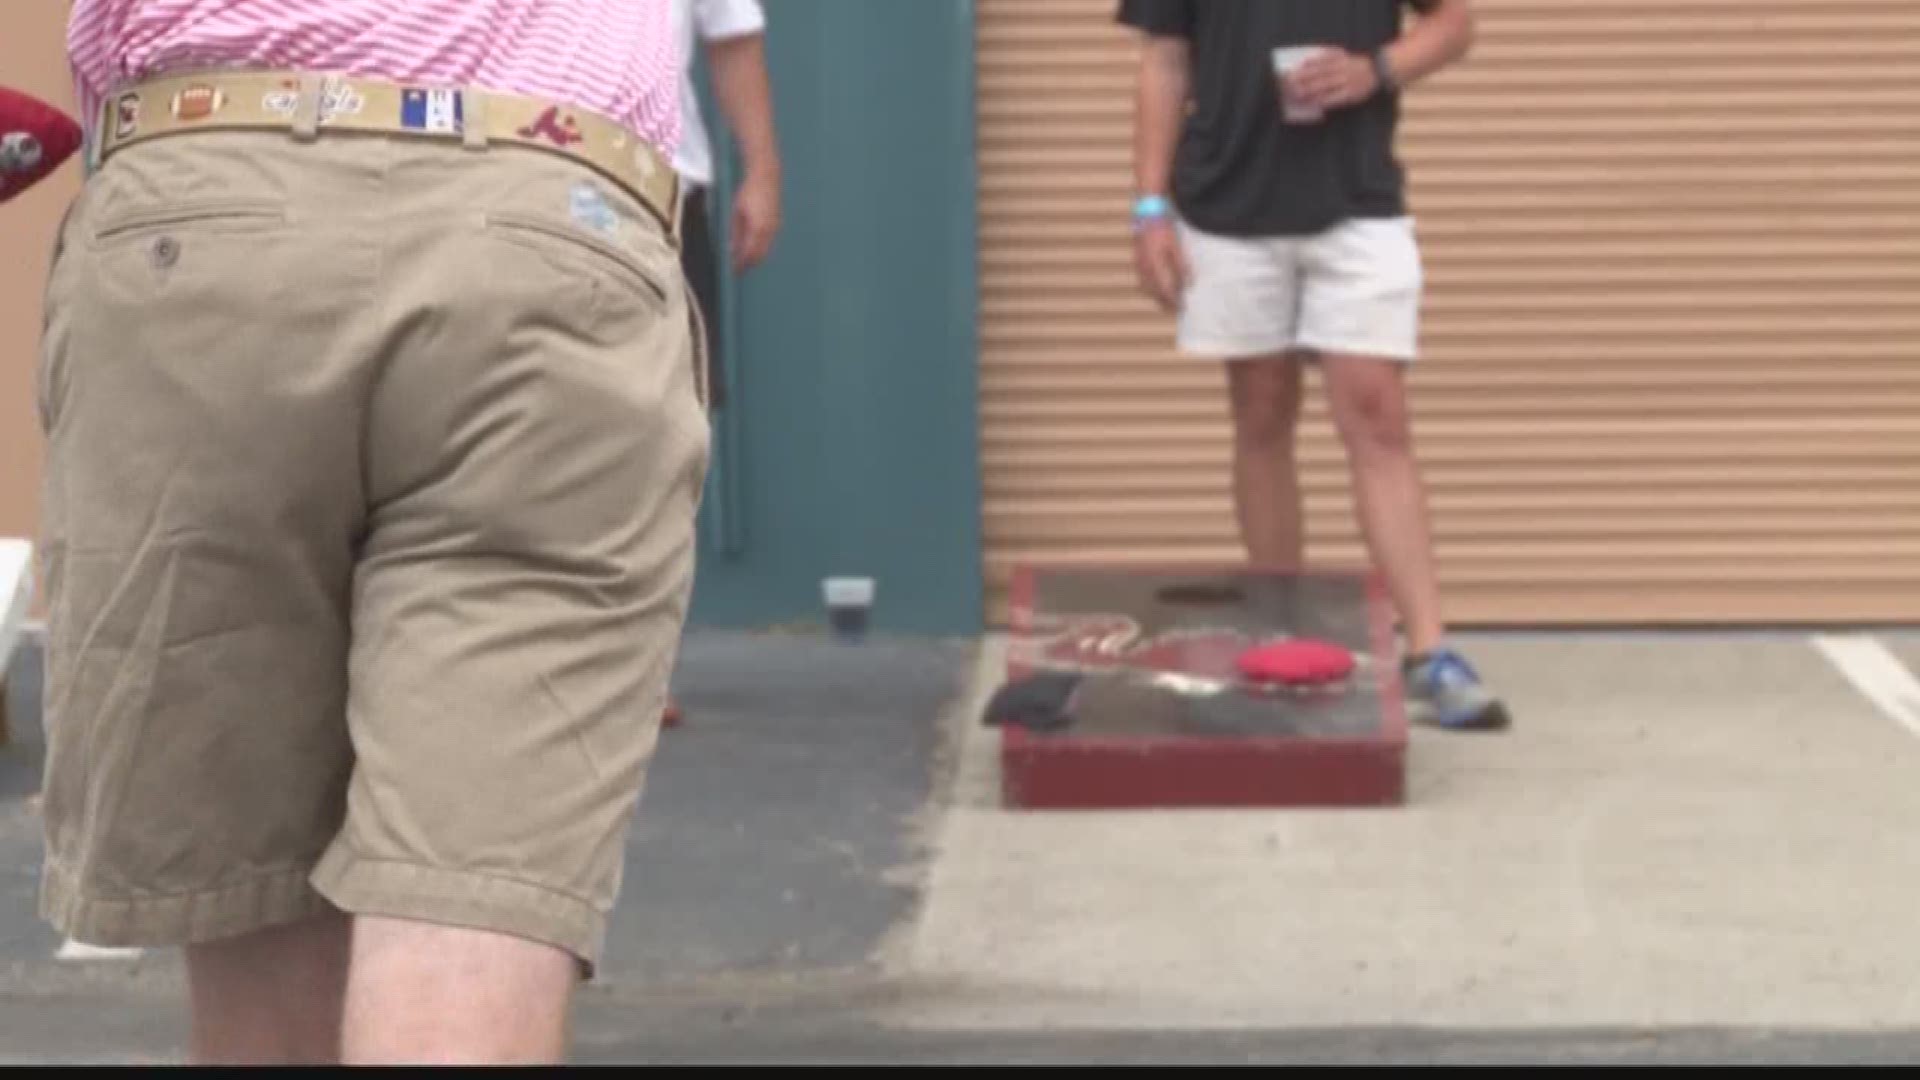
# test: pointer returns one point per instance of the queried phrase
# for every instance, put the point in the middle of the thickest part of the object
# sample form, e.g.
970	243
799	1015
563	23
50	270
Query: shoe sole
1493	718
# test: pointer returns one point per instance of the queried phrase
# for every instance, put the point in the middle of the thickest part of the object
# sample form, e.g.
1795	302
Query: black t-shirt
1241	170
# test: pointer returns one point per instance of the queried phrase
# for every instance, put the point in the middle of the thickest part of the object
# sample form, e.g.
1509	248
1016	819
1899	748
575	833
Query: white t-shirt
714	20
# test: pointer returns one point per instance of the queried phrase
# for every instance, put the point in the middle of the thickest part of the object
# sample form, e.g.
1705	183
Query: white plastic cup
1285	62
849	605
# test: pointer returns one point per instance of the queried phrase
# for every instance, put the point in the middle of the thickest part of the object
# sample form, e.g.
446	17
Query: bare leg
426	994
270	998
1265	394
1369	404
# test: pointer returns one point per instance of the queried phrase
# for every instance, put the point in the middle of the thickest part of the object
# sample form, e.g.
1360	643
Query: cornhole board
16	597
1150	726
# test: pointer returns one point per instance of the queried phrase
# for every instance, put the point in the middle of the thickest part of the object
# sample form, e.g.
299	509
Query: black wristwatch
1383	72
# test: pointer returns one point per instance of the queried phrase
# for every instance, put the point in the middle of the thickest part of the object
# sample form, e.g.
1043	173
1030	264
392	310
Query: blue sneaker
1443	690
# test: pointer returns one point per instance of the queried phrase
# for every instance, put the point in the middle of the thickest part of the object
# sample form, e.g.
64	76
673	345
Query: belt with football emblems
307	105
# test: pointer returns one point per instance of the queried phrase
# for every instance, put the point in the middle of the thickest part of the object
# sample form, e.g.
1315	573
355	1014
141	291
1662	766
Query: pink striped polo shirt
613	57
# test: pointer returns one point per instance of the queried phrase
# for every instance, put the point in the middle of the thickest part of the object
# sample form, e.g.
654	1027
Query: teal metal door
849	442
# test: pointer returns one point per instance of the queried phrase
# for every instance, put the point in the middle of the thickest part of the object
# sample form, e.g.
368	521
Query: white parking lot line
1877	674
75	952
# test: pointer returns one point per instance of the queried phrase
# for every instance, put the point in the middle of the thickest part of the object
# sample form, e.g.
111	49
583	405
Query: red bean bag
1296	662
35	139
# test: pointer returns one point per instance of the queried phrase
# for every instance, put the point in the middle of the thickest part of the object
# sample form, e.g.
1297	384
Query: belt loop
306	114
103	125
473	119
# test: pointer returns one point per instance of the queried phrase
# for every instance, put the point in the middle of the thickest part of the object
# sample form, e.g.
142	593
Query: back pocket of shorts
547	235
217	215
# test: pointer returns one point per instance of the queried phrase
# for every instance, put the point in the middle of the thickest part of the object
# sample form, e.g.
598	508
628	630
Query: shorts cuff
466	899
1372	350
149	922
1216	349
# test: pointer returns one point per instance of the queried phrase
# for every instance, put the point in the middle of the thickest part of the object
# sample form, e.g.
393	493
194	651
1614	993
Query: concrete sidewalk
1692	848
1680	832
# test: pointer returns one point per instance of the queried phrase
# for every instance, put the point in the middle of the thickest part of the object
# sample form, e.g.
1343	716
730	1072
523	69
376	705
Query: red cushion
1297	661
35	139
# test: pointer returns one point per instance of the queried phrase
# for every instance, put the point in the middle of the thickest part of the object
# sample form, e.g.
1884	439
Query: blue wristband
1150	207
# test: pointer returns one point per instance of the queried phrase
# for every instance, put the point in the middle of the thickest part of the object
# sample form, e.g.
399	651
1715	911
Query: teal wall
850	441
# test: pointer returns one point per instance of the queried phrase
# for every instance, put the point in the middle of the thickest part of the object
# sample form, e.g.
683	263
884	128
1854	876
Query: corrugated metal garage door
1673	322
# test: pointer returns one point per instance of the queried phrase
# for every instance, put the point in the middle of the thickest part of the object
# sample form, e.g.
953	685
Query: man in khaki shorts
376	430
1271	215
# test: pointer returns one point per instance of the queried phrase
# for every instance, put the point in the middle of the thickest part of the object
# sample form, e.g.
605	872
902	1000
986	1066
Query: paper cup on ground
1285	62
849	605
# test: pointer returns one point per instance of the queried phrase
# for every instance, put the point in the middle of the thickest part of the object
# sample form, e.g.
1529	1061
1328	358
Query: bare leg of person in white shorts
1347	299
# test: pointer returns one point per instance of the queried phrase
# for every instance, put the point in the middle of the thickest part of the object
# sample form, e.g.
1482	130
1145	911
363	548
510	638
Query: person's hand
756	219
1334	80
1160	262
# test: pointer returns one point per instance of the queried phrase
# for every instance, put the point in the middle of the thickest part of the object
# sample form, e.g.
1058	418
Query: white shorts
1354	289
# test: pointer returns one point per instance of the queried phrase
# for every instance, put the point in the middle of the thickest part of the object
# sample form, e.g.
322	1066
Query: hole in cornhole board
1201	594
1163	718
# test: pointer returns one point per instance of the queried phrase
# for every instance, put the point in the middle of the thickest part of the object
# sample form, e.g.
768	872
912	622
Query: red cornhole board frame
1106	760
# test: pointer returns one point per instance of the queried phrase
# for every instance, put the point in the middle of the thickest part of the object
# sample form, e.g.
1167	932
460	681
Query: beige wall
33	60
1672	333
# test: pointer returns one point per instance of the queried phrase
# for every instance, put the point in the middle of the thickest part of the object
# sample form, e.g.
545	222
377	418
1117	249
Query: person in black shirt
1271	214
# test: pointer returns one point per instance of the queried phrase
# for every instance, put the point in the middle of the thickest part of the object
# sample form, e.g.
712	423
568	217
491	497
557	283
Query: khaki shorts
1353	290
372	474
